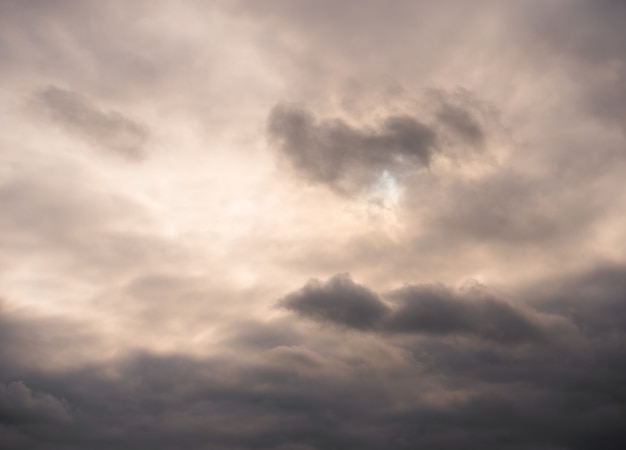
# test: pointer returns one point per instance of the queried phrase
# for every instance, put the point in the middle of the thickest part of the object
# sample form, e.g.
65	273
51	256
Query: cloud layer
447	175
333	389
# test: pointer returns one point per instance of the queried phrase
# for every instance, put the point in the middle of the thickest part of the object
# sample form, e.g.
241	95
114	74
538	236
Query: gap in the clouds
386	191
382	200
384	194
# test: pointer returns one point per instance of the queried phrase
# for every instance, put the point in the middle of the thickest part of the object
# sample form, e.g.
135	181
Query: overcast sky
299	224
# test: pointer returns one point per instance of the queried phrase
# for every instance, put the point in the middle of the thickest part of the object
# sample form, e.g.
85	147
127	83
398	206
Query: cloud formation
351	158
348	158
436	309
421	309
18	403
109	130
413	144
339	300
333	391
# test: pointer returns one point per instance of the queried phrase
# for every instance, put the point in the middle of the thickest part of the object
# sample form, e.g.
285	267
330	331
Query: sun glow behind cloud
384	197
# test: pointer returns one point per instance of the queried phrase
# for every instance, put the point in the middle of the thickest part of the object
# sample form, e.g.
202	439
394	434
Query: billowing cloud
348	158
422	309
351	158
436	309
339	300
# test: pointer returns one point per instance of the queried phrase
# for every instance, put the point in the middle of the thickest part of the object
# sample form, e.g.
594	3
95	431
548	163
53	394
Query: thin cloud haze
108	129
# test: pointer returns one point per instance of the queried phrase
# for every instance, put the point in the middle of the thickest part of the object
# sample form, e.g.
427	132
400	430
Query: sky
307	225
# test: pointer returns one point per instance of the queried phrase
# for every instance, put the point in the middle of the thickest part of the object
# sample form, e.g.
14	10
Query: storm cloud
422	309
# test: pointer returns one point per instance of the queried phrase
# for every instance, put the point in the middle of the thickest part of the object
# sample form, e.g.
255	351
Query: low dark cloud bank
20	404
563	388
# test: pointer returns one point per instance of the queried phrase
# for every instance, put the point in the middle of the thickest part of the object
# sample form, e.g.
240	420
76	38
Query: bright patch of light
383	199
386	193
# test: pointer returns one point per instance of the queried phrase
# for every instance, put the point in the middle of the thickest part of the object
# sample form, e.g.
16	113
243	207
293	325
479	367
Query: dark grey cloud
19	403
339	300
437	309
464	116
348	158
422	309
351	158
107	129
595	300
448	393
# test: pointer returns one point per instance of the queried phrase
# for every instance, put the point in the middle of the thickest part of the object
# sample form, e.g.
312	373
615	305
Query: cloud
141	299
436	309
19	403
462	123
589	40
420	309
71	44
347	390
593	300
351	158
347	158
107	129
509	207
464	116
339	300
82	228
